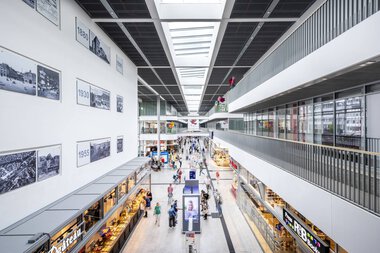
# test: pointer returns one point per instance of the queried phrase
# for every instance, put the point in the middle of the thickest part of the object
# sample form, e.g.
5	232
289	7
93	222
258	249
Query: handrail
308	143
351	174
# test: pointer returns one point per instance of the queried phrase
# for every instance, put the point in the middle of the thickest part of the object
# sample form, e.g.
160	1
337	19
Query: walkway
148	238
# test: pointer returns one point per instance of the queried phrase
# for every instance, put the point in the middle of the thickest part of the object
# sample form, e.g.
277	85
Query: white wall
356	45
28	121
350	226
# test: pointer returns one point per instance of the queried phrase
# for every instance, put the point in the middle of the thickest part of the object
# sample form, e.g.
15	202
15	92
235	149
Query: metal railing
348	173
331	20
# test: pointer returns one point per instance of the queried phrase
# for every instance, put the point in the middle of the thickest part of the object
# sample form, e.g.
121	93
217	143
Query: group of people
195	155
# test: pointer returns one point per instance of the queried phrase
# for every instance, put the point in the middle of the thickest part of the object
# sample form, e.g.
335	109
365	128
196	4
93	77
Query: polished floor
149	238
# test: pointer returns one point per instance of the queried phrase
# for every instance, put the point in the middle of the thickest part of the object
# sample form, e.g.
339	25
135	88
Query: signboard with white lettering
83	153
82	34
66	243
312	241
83	93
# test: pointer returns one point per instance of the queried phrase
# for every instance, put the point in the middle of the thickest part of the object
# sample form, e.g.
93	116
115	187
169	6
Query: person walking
157	213
179	175
170	194
172	216
207	183
217	174
147	205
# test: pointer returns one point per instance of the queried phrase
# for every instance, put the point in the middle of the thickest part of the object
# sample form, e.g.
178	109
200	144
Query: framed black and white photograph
49	9
119	103
82	33
120	144
119	64
48	162
48	83
17	170
100	149
83	93
17	73
31	3
83	153
98	47
99	98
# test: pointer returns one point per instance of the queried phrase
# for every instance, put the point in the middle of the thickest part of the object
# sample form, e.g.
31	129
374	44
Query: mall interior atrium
189	126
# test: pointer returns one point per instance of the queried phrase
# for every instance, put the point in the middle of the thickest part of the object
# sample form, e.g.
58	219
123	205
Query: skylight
191	44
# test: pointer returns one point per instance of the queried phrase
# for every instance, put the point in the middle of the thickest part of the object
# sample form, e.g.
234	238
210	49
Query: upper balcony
351	174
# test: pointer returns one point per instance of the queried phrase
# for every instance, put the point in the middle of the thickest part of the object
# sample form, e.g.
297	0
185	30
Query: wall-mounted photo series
18	169
50	9
93	96
120	144
92	42
22	75
119	64
119	103
93	150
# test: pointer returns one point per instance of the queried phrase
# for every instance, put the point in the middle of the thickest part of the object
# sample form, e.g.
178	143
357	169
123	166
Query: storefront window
253	124
131	181
281	122
270	123
327	122
92	216
291	122
259	124
305	121
318	122
109	201
122	189
348	122
112	236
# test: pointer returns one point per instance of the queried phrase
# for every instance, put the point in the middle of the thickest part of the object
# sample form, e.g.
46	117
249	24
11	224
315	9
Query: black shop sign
314	243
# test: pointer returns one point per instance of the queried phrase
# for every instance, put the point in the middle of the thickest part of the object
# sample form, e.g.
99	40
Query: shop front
117	228
283	228
98	217
234	166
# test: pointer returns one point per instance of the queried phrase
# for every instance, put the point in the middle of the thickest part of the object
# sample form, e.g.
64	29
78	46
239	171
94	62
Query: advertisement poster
193	125
191	213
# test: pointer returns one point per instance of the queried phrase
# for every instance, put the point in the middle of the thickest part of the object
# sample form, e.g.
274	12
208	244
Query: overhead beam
160	31
218	42
108	7
187	67
228	20
251	38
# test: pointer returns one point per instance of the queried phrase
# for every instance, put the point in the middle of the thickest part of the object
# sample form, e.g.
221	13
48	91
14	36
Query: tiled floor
149	238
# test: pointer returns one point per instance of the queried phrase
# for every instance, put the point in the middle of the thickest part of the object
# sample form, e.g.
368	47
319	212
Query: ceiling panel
130	8
146	37
267	36
174	89
211	89
238	73
235	37
291	8
217	75
250	8
118	36
166	75
94	8
148	76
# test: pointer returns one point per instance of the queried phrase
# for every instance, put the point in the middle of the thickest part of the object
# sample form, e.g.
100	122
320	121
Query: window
305	121
291	122
348	122
281	122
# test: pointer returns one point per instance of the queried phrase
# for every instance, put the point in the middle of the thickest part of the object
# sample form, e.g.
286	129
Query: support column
158	128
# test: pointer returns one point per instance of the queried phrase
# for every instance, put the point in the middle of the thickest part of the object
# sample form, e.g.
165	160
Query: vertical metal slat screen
352	175
329	21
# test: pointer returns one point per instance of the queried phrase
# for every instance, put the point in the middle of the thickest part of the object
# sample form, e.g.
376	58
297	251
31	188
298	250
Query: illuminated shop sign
233	164
65	244
311	240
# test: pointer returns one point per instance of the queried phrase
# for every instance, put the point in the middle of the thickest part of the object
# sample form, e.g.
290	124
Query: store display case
221	157
116	230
